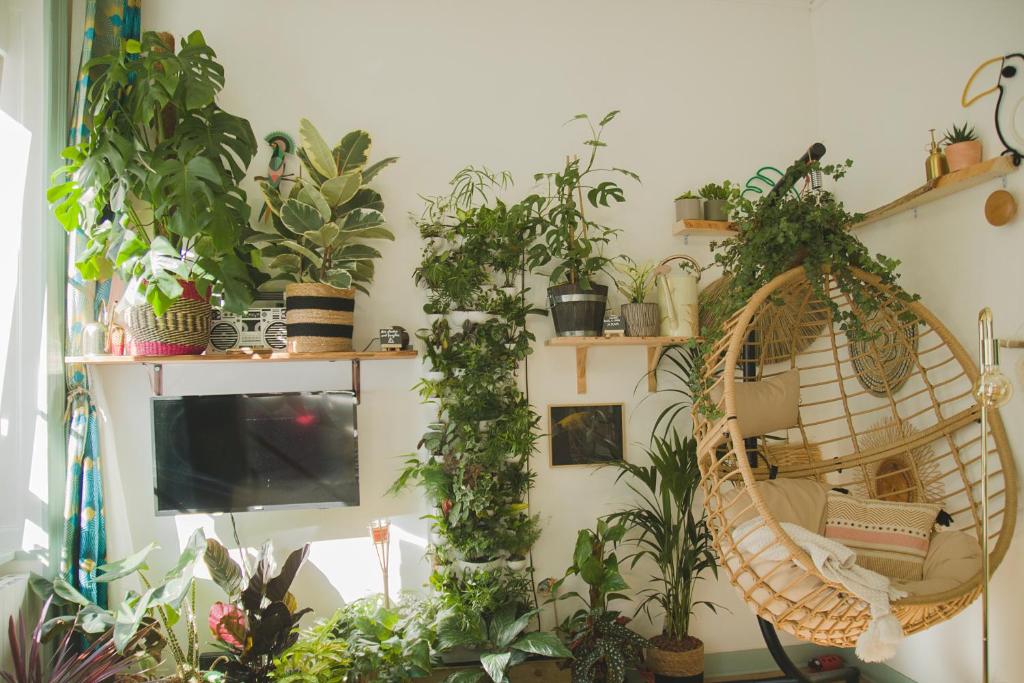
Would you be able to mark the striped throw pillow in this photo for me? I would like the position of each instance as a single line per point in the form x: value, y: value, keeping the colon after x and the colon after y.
x: 889, y: 537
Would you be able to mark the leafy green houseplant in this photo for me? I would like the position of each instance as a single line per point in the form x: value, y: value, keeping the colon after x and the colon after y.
x: 635, y: 283
x: 689, y: 207
x: 717, y: 200
x: 317, y: 656
x: 259, y: 621
x: 155, y: 187
x: 571, y: 242
x: 601, y: 643
x: 316, y: 246
x: 677, y: 541
x: 962, y: 147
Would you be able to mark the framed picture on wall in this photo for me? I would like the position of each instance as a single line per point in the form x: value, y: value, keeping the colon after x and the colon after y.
x: 586, y: 434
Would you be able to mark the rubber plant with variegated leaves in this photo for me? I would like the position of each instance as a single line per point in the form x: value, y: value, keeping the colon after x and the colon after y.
x: 155, y: 185
x: 320, y: 227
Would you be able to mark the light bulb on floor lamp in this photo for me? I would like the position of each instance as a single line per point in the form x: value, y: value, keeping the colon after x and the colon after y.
x: 991, y: 391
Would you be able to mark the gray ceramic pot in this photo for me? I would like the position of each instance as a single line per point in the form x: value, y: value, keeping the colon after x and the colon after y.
x: 716, y: 210
x: 689, y: 209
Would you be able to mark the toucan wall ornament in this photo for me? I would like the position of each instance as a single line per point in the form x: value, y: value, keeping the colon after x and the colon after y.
x: 1010, y: 85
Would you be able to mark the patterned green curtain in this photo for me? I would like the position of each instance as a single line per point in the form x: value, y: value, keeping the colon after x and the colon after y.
x: 84, y: 546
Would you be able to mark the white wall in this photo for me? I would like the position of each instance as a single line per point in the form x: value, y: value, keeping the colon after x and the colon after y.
x: 886, y: 73
x: 707, y: 90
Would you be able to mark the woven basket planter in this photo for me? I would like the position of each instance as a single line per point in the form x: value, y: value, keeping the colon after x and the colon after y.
x: 677, y: 667
x: 642, y: 320
x: 183, y: 329
x: 318, y: 317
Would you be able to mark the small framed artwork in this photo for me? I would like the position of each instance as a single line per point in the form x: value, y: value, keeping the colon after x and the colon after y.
x: 586, y: 434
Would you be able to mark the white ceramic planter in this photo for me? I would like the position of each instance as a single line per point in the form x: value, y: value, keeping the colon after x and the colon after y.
x: 457, y: 319
x: 467, y: 567
x: 433, y: 376
x: 517, y: 565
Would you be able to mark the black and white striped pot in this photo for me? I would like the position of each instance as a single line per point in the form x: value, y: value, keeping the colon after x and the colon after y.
x: 318, y: 317
x: 578, y: 312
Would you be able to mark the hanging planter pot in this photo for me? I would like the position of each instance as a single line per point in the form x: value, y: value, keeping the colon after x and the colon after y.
x: 641, y: 320
x: 517, y: 565
x: 674, y: 662
x: 578, y: 312
x: 183, y: 329
x: 469, y: 567
x: 456, y: 319
x: 319, y: 317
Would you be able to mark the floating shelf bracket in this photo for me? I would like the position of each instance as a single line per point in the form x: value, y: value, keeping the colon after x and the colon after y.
x: 156, y: 377
x: 356, y: 380
x: 582, y: 345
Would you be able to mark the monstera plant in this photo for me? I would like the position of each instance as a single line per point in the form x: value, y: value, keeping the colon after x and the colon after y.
x: 315, y: 245
x: 154, y: 186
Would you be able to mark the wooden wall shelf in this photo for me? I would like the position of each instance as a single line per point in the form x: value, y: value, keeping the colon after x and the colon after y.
x: 722, y: 229
x: 583, y: 344
x: 940, y: 187
x: 256, y: 356
x: 155, y: 364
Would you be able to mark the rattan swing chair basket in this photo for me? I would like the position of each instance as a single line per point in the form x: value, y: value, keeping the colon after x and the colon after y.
x: 838, y: 422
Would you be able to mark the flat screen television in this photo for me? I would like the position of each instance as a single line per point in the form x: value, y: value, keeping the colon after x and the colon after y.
x: 231, y: 453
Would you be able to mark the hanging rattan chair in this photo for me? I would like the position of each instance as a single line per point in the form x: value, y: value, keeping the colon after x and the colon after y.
x: 893, y: 418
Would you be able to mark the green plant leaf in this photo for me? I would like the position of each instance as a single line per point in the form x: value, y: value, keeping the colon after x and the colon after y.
x: 224, y: 571
x: 316, y: 149
x: 496, y: 665
x: 465, y: 676
x: 300, y: 217
x: 304, y: 251
x: 129, y: 565
x: 310, y: 195
x: 342, y: 188
x: 352, y: 152
x: 65, y: 590
x: 371, y: 171
x: 542, y: 643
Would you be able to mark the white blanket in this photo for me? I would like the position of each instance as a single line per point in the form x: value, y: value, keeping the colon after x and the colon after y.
x: 837, y: 563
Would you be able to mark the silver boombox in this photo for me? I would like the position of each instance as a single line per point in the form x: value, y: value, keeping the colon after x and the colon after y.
x: 260, y: 328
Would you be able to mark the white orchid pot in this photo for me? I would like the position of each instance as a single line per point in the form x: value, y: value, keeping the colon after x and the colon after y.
x: 677, y: 298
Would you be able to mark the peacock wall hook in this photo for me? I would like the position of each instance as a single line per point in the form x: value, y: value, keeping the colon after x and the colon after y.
x: 1010, y: 85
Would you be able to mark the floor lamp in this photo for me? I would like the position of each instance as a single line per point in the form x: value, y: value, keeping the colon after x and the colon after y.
x: 992, y: 391
x: 380, y: 534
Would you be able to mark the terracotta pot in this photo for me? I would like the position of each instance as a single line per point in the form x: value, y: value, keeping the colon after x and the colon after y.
x: 689, y: 209
x: 963, y: 154
x: 672, y: 666
x: 183, y: 329
x: 319, y: 317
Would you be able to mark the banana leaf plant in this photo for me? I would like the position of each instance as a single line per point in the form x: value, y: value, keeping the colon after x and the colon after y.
x: 318, y: 230
x: 260, y: 620
x: 143, y: 622
x: 155, y: 185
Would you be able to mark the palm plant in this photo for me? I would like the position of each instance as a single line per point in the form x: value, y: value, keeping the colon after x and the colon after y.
x: 671, y: 535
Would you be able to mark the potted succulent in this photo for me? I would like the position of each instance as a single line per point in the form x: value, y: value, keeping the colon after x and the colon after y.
x: 524, y: 533
x: 716, y: 200
x: 573, y: 241
x: 688, y: 207
x: 678, y: 542
x: 963, y: 148
x: 155, y: 189
x: 315, y: 245
x: 641, y: 317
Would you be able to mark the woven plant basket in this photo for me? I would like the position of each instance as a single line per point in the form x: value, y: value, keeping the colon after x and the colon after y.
x: 642, y: 320
x: 318, y: 317
x: 686, y: 666
x: 183, y: 329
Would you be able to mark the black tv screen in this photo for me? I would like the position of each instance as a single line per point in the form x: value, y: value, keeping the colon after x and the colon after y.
x: 255, y: 451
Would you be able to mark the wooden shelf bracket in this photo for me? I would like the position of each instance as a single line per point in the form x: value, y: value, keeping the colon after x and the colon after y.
x: 582, y: 345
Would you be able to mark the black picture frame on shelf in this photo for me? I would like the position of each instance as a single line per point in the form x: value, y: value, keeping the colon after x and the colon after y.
x: 586, y: 434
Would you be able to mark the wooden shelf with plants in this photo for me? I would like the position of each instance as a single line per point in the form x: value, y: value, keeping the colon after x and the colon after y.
x: 941, y: 187
x: 240, y: 357
x: 583, y: 344
x: 723, y: 229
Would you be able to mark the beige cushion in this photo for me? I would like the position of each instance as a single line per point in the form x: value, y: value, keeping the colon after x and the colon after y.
x: 797, y: 501
x: 765, y: 406
x: 954, y: 558
x: 890, y: 537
